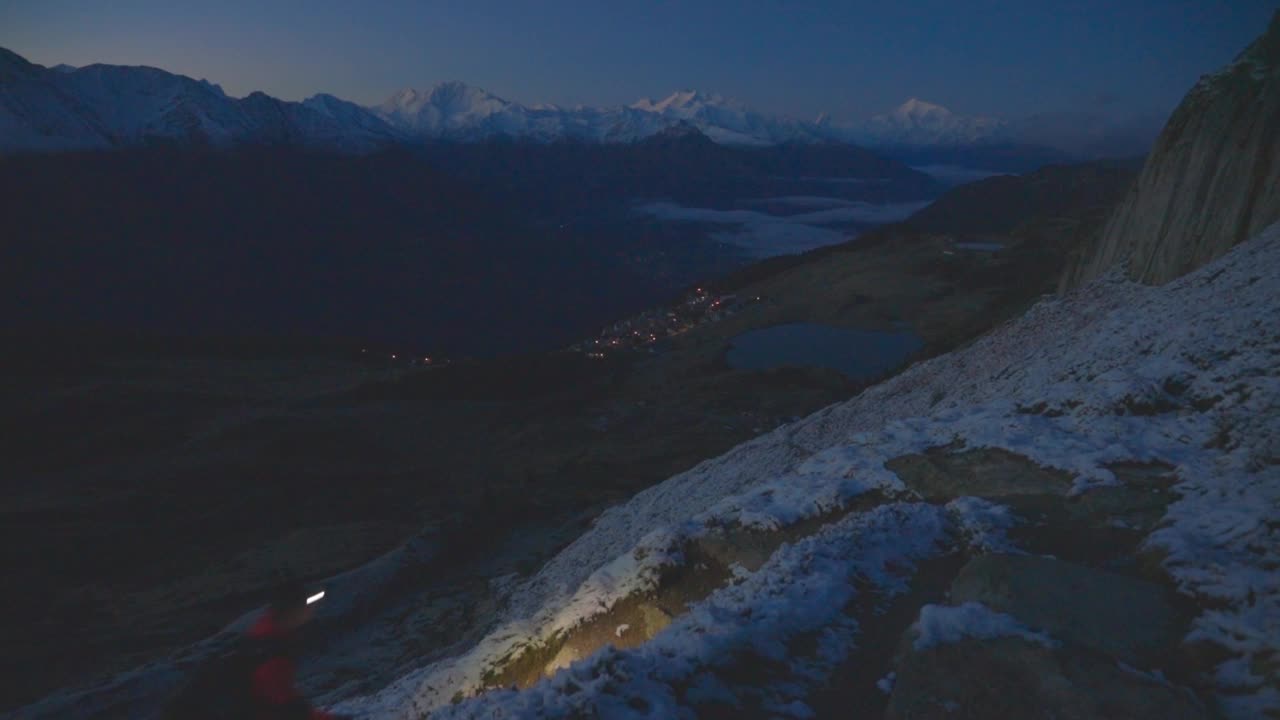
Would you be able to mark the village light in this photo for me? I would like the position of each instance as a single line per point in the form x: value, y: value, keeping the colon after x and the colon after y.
x: 315, y: 598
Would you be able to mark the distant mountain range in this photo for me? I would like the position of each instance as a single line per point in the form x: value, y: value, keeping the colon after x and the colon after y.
x: 103, y: 106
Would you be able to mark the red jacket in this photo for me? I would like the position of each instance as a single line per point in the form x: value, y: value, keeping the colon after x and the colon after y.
x: 275, y: 696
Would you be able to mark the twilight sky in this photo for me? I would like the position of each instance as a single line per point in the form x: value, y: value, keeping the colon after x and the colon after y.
x: 793, y: 57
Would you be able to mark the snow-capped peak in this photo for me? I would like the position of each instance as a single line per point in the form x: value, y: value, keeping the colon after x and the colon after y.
x: 686, y: 100
x: 448, y: 105
x: 452, y: 94
x: 916, y: 108
x: 918, y: 122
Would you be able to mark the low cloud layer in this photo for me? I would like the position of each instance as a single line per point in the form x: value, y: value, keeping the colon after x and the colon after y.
x: 761, y: 234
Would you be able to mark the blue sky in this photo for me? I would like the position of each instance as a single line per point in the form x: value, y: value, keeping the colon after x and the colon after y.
x: 792, y: 57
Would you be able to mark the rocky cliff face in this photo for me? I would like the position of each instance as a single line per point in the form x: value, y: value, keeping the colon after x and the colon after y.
x: 1212, y: 180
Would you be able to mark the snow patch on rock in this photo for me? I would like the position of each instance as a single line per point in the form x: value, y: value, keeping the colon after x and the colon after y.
x: 943, y: 624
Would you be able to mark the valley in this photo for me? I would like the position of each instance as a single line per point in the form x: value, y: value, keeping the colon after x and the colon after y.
x: 273, y: 439
x: 443, y: 250
x: 459, y: 404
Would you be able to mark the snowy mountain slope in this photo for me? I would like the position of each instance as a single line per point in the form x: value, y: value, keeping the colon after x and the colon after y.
x: 100, y: 106
x: 456, y: 111
x: 37, y: 113
x: 321, y: 121
x: 140, y: 104
x: 446, y: 107
x: 731, y: 122
x: 1187, y: 374
x: 916, y: 123
x: 346, y: 118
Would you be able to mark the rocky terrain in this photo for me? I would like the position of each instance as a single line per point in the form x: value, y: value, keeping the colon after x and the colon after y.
x: 1212, y: 180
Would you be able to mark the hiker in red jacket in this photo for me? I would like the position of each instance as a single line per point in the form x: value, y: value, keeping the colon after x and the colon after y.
x: 274, y: 641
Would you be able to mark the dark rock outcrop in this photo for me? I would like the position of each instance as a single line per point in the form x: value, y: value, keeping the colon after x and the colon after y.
x: 1211, y: 182
x: 985, y: 472
x: 1014, y: 678
x: 1120, y: 616
x: 1102, y: 629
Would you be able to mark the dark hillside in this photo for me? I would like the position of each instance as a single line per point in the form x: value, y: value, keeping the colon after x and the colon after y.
x: 685, y: 167
x: 984, y: 209
x: 279, y: 241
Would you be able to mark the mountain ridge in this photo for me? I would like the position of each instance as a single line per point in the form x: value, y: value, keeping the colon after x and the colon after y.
x: 102, y: 106
x: 39, y: 107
